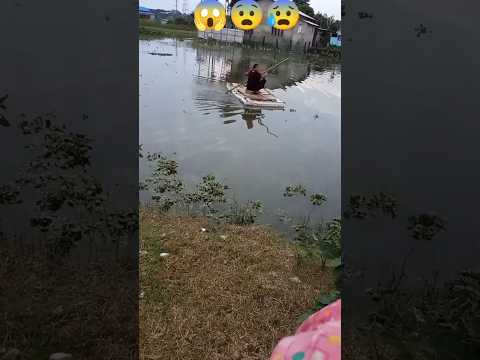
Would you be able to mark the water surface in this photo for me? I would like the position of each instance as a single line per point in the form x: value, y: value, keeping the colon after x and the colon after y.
x: 184, y: 108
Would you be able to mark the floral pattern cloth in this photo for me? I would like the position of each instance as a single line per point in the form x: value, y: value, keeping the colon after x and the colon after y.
x: 317, y: 338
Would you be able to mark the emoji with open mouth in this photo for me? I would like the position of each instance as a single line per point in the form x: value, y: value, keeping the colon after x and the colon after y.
x: 247, y: 15
x: 210, y: 15
x: 283, y: 15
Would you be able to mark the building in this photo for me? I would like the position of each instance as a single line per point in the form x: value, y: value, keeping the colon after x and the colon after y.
x: 164, y: 16
x: 305, y: 35
x: 146, y: 13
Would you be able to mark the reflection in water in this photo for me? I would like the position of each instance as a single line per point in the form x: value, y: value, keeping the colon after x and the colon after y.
x: 231, y: 63
x: 214, y: 65
x: 206, y: 105
x: 250, y: 115
x: 266, y: 127
x: 185, y: 108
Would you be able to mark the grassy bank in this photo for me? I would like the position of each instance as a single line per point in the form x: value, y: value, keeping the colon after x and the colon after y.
x: 229, y: 292
x: 151, y: 28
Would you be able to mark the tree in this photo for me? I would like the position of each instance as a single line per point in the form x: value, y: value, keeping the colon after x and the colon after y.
x: 328, y: 22
x: 335, y: 26
x: 304, y: 6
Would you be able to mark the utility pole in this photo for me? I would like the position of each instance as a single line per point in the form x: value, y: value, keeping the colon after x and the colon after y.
x: 228, y: 5
x: 176, y: 7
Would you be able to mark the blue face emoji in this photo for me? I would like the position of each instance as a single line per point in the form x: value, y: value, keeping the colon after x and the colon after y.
x: 283, y: 15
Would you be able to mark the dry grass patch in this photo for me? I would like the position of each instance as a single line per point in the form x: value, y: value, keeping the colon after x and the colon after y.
x: 230, y: 292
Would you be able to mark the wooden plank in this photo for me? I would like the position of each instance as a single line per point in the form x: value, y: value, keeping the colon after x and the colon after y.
x: 261, y: 96
x: 265, y: 99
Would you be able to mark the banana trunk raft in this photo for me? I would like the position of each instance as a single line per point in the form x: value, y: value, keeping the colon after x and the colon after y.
x: 264, y: 98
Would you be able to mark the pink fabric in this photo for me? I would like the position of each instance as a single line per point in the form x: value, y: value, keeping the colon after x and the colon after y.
x: 317, y: 338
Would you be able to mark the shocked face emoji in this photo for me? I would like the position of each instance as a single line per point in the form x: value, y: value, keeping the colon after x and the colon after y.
x: 210, y: 15
x: 283, y: 15
x: 247, y: 15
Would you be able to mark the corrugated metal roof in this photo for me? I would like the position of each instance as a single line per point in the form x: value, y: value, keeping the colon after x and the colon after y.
x: 310, y: 23
x: 307, y: 16
x: 314, y: 24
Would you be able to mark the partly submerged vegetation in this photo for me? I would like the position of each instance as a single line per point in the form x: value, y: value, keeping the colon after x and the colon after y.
x: 439, y: 321
x: 434, y: 320
x: 69, y: 275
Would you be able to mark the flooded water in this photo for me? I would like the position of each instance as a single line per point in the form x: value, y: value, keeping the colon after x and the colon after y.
x: 184, y: 108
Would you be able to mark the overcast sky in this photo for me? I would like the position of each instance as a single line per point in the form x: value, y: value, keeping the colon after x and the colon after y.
x: 331, y: 7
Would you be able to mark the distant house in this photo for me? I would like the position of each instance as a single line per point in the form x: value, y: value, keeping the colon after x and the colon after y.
x: 305, y: 35
x: 163, y: 16
x: 146, y: 13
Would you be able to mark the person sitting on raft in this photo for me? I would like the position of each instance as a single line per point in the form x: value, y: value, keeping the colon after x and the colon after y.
x: 255, y: 81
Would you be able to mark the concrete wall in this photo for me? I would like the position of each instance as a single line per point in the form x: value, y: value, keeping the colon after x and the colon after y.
x: 147, y: 16
x: 303, y: 34
x: 226, y: 35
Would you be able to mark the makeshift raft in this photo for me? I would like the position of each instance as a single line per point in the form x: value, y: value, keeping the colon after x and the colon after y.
x: 264, y: 98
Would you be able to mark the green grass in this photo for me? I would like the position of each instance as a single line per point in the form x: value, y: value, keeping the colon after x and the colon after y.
x: 154, y: 28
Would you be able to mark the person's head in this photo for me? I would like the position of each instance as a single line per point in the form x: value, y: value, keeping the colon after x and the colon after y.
x: 254, y: 67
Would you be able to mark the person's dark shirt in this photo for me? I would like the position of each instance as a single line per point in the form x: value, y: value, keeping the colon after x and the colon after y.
x: 253, y: 81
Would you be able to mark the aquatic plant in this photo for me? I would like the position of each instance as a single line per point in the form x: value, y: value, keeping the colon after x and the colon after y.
x: 164, y: 182
x: 208, y: 197
x: 371, y: 206
x: 49, y: 295
x: 426, y: 226
x: 433, y: 323
x: 429, y: 322
x: 66, y: 203
x: 294, y: 190
x: 243, y: 214
x: 318, y: 199
x: 318, y: 239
